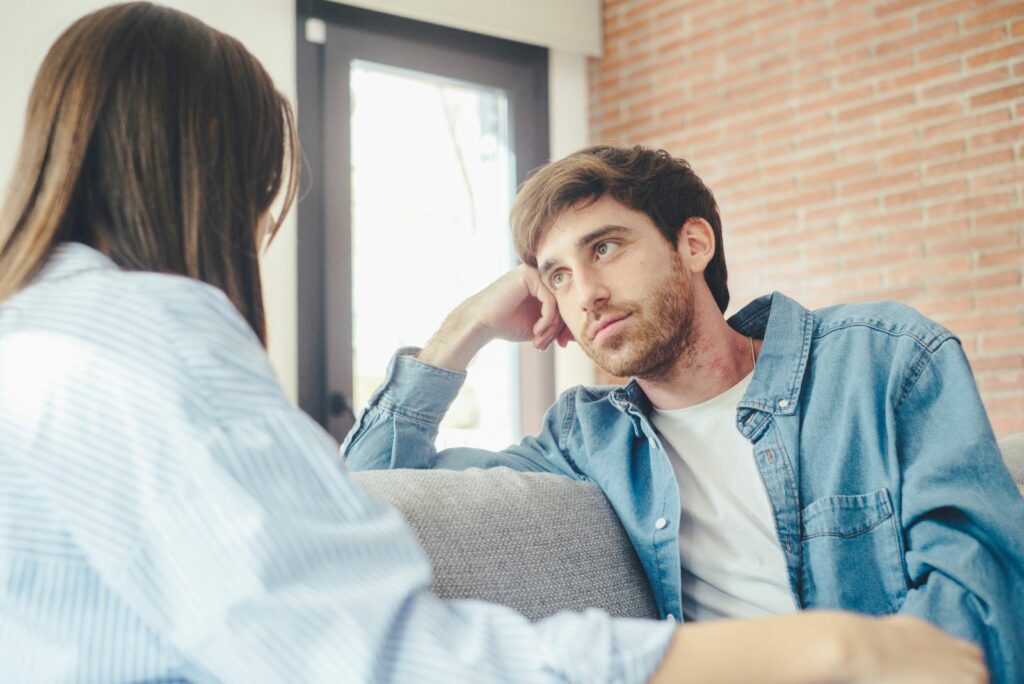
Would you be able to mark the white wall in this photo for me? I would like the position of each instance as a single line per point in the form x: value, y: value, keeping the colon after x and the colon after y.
x: 267, y: 28
x: 569, y: 25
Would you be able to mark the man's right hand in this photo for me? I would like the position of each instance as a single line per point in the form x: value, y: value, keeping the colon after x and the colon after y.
x: 515, y: 307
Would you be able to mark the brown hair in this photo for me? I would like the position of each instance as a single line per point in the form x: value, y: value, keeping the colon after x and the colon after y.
x: 159, y: 141
x: 649, y: 181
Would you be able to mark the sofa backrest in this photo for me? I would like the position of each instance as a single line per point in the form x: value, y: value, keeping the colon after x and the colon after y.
x: 1013, y: 454
x: 537, y: 542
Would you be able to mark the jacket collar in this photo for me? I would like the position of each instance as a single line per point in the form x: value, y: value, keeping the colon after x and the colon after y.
x: 786, y: 328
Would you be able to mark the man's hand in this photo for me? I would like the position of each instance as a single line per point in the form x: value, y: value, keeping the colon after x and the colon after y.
x: 820, y: 646
x: 515, y: 307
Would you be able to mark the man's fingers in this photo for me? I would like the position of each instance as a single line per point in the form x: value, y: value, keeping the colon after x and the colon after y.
x: 564, y: 336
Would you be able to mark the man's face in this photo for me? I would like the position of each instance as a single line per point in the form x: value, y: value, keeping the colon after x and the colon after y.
x: 622, y: 290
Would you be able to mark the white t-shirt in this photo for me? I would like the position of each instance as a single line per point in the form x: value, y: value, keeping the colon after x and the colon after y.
x: 732, y: 562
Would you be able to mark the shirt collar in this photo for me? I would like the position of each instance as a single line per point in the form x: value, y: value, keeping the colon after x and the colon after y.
x: 68, y: 259
x: 786, y: 329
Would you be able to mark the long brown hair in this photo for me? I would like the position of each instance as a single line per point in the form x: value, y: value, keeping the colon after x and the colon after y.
x: 159, y: 141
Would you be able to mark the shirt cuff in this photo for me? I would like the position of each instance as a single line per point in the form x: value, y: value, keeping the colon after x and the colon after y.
x: 644, y: 643
x: 417, y: 389
x: 592, y: 647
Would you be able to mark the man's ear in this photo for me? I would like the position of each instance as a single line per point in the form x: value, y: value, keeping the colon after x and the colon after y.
x: 696, y: 243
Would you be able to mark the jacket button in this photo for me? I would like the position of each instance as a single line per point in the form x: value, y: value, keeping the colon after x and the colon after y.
x: 661, y: 523
x: 783, y: 403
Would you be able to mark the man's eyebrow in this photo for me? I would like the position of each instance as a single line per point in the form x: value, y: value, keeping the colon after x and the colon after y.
x: 588, y: 239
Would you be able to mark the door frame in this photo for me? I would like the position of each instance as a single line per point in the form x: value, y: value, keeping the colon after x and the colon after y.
x: 519, y: 69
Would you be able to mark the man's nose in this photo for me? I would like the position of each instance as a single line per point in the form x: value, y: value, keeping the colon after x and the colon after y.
x: 591, y: 291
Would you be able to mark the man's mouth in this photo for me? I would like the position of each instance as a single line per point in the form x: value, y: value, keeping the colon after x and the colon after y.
x: 608, y: 327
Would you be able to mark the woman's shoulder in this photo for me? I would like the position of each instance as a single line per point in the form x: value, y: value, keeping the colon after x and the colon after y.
x: 83, y: 308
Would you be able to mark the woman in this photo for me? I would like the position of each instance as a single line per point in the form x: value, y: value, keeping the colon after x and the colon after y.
x: 165, y: 512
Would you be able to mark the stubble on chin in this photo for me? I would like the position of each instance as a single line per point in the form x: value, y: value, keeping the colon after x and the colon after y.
x: 660, y: 338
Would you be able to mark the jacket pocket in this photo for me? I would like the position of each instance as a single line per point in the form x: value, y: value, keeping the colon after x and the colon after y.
x: 852, y: 554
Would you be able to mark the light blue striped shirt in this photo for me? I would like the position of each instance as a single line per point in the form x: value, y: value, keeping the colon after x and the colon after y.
x: 167, y: 514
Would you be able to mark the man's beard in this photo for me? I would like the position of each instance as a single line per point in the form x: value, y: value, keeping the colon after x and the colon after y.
x: 659, y: 335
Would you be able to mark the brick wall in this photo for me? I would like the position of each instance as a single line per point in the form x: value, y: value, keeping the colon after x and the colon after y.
x: 859, y: 150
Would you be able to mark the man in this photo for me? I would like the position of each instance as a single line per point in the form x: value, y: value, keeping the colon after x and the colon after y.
x: 781, y: 460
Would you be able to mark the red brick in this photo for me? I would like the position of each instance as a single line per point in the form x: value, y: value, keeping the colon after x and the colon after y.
x: 872, y: 68
x: 926, y: 192
x: 1002, y: 362
x: 921, y: 114
x: 1004, y: 218
x: 800, y: 201
x: 919, y: 76
x: 970, y: 163
x: 1010, y: 176
x: 837, y: 173
x: 956, y: 47
x: 1017, y: 29
x: 878, y: 183
x: 969, y: 204
x: 1007, y: 257
x: 1007, y: 299
x: 929, y: 271
x: 946, y: 10
x: 997, y: 342
x: 875, y: 107
x: 1008, y: 93
x: 969, y: 83
x: 873, y: 146
x: 871, y: 33
x: 1003, y: 382
x: 842, y: 212
x: 929, y: 231
x: 971, y: 243
x: 859, y: 245
x: 897, y: 6
x: 1002, y: 135
x: 920, y: 37
x: 1000, y: 54
x: 994, y: 15
x: 917, y: 154
x: 966, y: 123
x: 1006, y: 404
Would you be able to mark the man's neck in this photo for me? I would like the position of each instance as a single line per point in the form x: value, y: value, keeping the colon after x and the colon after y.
x: 717, y: 359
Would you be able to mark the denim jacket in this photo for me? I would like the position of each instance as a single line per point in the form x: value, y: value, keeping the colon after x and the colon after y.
x: 886, y: 485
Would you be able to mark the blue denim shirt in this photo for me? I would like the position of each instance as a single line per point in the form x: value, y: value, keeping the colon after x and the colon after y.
x: 887, y: 488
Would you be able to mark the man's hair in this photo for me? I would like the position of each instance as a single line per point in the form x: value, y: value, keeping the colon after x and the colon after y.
x: 160, y: 141
x: 649, y: 181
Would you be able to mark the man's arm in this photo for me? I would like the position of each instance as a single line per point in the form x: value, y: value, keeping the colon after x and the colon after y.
x: 399, y: 425
x: 516, y: 307
x: 962, y: 516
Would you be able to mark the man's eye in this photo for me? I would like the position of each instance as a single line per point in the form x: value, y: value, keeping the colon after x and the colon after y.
x: 605, y: 248
x: 558, y: 279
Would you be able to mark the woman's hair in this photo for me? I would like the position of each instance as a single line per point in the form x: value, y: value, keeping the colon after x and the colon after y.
x: 158, y: 140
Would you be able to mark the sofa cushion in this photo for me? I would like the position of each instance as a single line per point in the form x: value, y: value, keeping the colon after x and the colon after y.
x: 537, y: 542
x: 1013, y: 454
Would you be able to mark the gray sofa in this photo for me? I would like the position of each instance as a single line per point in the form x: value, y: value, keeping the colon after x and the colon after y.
x: 539, y: 543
